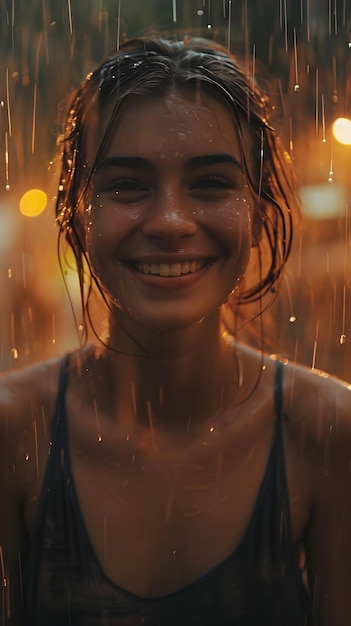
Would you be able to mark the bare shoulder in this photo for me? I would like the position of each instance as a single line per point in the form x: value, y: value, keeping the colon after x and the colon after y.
x: 23, y: 388
x: 318, y: 406
x: 27, y: 398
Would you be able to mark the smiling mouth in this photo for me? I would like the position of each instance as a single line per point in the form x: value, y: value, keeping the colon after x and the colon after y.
x: 170, y: 269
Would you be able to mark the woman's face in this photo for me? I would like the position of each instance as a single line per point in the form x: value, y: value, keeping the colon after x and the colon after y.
x: 168, y: 224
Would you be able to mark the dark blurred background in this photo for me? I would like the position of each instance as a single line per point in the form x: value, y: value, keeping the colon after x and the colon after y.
x: 302, y: 48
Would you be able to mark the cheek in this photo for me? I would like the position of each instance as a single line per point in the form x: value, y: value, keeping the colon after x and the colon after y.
x: 231, y: 224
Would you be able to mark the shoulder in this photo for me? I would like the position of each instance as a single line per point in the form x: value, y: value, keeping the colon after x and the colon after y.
x: 23, y: 388
x: 27, y: 401
x: 318, y: 406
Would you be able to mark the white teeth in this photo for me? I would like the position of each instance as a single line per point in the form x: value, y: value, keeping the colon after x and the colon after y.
x: 169, y: 269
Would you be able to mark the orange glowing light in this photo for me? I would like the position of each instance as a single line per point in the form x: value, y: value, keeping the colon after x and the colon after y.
x: 342, y: 130
x: 33, y: 202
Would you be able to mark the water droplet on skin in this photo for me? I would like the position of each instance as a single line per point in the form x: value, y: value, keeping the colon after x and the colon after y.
x: 296, y: 87
x: 342, y: 339
x: 200, y: 14
x: 292, y: 318
x: 14, y: 353
x: 9, y: 273
x: 27, y: 457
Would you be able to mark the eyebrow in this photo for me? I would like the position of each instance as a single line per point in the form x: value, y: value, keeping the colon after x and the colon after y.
x: 142, y: 163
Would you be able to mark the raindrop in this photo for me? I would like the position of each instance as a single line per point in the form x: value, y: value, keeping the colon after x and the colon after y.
x: 118, y: 25
x: 315, y: 346
x: 342, y: 339
x: 8, y: 102
x: 7, y: 160
x: 229, y: 24
x: 174, y: 10
x: 70, y: 17
x: 53, y: 325
x: 296, y: 86
x: 97, y: 420
x: 36, y: 447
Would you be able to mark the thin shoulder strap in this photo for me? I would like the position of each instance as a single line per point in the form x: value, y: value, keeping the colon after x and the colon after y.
x: 61, y: 388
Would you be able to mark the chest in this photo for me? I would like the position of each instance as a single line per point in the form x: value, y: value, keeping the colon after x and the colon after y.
x: 157, y: 524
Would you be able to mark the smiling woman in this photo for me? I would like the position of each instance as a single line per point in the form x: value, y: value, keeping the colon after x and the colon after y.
x: 169, y: 474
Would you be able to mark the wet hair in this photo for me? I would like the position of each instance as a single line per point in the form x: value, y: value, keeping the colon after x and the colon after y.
x: 154, y: 67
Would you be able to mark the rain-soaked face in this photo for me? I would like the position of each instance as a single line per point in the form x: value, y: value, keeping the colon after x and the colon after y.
x: 168, y: 218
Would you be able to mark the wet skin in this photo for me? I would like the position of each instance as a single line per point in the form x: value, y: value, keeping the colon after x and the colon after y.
x: 168, y: 227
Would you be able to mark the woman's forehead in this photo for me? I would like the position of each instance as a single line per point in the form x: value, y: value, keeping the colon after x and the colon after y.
x: 179, y: 120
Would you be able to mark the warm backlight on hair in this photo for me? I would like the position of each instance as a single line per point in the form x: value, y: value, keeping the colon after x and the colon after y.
x: 342, y: 130
x: 33, y: 202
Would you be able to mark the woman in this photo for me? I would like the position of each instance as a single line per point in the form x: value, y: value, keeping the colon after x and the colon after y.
x: 169, y: 475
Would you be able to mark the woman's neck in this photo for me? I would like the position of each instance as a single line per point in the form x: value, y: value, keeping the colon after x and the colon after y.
x: 176, y: 381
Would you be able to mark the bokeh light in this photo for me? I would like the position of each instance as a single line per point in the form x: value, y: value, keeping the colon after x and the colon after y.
x: 342, y: 130
x: 33, y: 202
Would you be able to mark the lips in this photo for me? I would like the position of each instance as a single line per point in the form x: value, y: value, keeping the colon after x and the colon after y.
x: 167, y: 270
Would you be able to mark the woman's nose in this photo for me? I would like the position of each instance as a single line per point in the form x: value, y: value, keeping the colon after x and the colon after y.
x: 170, y: 217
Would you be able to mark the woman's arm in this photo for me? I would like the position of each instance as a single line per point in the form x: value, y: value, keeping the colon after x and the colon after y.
x: 12, y: 555
x: 12, y: 535
x: 328, y: 537
x: 328, y: 544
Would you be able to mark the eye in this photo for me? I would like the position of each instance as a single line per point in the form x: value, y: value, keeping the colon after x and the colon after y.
x: 213, y: 182
x: 125, y: 189
x: 127, y: 185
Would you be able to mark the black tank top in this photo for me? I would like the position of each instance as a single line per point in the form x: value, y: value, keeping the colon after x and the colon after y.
x: 259, y: 584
